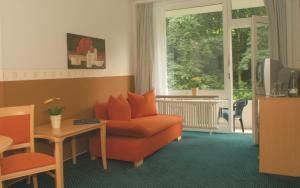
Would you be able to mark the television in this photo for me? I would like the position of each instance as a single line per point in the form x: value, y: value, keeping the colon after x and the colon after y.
x: 271, y: 75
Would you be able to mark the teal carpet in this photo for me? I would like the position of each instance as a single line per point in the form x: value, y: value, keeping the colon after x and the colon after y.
x: 199, y: 160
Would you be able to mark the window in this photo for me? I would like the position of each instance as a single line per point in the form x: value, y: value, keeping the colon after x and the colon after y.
x: 195, y: 48
x: 195, y: 51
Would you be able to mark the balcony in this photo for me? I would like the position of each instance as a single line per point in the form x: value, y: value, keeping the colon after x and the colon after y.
x: 201, y: 113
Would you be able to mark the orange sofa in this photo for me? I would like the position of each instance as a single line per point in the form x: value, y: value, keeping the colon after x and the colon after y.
x: 135, y: 139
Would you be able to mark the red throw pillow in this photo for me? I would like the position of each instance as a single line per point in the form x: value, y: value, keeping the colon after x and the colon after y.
x: 142, y: 105
x: 101, y: 111
x: 118, y: 108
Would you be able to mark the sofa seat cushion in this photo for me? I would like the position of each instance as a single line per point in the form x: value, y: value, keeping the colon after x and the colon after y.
x: 142, y: 127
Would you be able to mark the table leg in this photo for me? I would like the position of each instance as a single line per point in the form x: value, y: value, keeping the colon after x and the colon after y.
x: 28, y: 179
x: 35, y: 181
x: 74, y: 150
x: 59, y: 165
x: 103, y: 146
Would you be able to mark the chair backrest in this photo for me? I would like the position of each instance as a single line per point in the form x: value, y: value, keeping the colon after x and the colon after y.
x: 17, y: 123
x: 239, y: 107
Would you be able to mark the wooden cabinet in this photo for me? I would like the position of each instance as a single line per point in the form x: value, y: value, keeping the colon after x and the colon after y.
x: 279, y: 136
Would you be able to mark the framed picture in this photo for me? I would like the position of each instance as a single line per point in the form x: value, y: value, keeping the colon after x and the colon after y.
x: 85, y: 52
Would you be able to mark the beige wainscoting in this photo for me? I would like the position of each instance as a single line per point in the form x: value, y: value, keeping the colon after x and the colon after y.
x: 1, y: 93
x: 78, y: 95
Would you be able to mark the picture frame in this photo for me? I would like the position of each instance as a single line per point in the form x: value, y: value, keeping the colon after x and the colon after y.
x: 85, y: 52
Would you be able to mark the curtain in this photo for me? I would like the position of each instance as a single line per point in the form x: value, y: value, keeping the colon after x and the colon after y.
x: 293, y: 24
x: 160, y: 81
x: 145, y: 48
x: 151, y: 67
x: 276, y: 10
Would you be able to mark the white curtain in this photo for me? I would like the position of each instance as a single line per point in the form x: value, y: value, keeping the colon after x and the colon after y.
x: 151, y: 67
x: 160, y: 80
x: 145, y: 48
x: 277, y: 14
x: 293, y: 24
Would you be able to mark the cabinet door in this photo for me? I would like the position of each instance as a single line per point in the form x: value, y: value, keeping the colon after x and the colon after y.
x: 280, y: 136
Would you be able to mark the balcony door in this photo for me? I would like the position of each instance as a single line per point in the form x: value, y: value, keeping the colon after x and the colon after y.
x: 259, y: 52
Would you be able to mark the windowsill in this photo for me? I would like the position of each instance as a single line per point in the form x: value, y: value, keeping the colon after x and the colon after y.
x: 187, y: 96
x: 201, y: 93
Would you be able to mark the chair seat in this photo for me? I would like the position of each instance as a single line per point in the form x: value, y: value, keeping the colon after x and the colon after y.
x: 25, y: 161
x: 225, y: 114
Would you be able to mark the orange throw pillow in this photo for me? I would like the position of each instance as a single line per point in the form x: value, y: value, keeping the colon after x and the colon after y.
x: 118, y: 108
x: 142, y: 105
x: 101, y: 111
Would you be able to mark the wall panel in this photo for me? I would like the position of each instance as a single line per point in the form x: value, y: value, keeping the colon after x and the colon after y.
x: 78, y: 95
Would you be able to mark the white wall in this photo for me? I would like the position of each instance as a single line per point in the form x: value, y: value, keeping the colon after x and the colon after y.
x: 34, y: 33
x: 1, y: 65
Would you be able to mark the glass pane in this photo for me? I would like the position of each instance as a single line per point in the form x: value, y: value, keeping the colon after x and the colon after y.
x: 195, y: 48
x: 263, y: 51
x: 248, y: 12
x: 241, y: 58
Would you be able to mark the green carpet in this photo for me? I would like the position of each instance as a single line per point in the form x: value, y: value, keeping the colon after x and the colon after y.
x: 199, y: 160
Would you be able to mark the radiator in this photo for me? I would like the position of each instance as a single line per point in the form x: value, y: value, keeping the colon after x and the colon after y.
x: 199, y: 114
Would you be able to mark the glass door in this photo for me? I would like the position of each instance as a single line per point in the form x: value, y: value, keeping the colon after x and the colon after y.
x: 259, y: 52
x: 198, y: 51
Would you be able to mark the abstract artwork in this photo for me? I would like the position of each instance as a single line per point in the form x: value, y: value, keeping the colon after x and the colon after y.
x: 85, y: 52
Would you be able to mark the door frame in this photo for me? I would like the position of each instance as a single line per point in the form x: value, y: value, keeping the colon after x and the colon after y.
x: 227, y: 45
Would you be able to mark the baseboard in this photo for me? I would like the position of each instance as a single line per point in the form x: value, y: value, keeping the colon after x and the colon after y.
x: 212, y: 131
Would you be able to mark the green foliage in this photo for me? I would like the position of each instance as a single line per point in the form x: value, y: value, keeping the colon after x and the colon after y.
x: 55, y: 110
x: 248, y: 12
x: 244, y: 91
x: 195, y: 49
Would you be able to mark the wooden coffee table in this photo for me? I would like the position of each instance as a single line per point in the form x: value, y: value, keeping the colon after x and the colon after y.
x: 68, y: 130
x: 5, y: 143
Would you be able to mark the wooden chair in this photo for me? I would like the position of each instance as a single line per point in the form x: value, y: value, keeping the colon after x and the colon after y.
x: 17, y: 123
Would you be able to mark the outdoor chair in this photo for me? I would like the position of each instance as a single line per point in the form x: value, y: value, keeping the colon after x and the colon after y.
x: 238, y: 108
